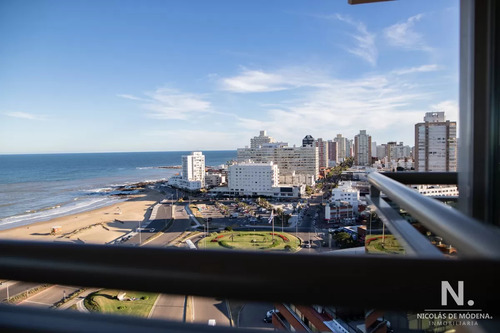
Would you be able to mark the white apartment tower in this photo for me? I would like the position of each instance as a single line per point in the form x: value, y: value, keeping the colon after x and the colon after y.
x: 193, y: 167
x: 258, y: 141
x: 436, y: 144
x: 362, y: 149
x: 253, y: 177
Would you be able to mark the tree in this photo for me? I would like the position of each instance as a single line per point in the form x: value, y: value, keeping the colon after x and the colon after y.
x: 344, y: 239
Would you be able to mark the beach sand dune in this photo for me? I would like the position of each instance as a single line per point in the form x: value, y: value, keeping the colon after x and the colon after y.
x: 100, y: 226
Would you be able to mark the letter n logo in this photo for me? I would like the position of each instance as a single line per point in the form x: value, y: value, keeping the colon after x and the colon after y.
x: 447, y: 289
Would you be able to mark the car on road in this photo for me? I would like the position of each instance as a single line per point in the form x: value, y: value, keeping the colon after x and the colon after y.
x: 269, y: 316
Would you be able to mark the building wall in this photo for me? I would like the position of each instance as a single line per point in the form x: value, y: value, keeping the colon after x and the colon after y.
x: 436, y: 144
x: 298, y: 160
x: 253, y: 177
x: 193, y: 167
x: 258, y: 141
x: 362, y: 149
x: 322, y: 152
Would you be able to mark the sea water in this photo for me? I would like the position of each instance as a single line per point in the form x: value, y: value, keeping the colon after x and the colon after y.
x: 39, y: 187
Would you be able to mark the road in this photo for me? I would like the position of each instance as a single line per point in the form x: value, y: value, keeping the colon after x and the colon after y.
x: 15, y: 288
x: 252, y: 316
x: 49, y: 296
x: 169, y: 307
x: 205, y: 309
x: 180, y: 224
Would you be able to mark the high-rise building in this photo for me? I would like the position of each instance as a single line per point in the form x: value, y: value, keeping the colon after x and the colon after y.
x: 342, y: 145
x: 333, y: 157
x: 322, y: 152
x: 290, y: 160
x: 258, y: 141
x: 436, y: 143
x: 308, y: 141
x: 362, y: 149
x: 193, y: 167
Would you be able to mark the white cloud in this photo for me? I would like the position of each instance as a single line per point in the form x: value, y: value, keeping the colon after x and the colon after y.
x: 25, y: 115
x: 165, y: 103
x: 404, y: 35
x: 132, y: 97
x: 387, y: 106
x: 365, y: 41
x: 419, y: 69
x: 254, y: 81
x: 257, y: 81
x: 449, y: 107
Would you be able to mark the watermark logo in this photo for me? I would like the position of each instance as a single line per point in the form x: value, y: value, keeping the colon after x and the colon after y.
x: 458, y: 297
x: 457, y: 314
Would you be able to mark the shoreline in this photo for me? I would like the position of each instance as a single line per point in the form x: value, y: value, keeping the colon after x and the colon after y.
x: 97, y: 226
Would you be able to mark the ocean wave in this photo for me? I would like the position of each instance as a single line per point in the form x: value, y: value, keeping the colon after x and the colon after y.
x: 57, y: 211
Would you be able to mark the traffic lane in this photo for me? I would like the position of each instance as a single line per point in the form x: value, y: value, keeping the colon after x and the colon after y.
x: 16, y: 288
x: 252, y: 316
x: 169, y: 307
x: 205, y: 309
x: 49, y: 296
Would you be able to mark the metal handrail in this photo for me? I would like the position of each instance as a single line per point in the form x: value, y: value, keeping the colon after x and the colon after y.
x: 402, y: 282
x: 471, y: 237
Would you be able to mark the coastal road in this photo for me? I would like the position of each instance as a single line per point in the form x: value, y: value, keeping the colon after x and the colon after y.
x: 169, y: 307
x: 180, y: 224
x: 49, y: 296
x: 205, y: 309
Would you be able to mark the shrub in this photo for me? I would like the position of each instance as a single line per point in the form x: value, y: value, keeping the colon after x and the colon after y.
x: 122, y: 307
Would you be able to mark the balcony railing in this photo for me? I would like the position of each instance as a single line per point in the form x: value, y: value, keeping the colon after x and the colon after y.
x: 401, y: 283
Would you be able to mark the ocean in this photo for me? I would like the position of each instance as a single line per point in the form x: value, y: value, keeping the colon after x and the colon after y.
x: 39, y: 187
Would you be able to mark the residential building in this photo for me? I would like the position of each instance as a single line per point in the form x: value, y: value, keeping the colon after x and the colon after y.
x: 193, y: 167
x: 363, y: 149
x: 214, y: 178
x: 436, y: 190
x: 346, y: 191
x: 436, y: 144
x: 333, y: 156
x: 258, y: 141
x: 257, y: 179
x: 290, y: 160
x: 342, y: 147
x: 193, y: 173
x: 308, y: 141
x: 322, y: 152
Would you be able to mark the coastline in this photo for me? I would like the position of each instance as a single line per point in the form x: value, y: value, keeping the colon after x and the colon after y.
x: 97, y: 226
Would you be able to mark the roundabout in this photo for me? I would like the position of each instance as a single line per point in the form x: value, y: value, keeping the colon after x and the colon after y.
x: 251, y: 240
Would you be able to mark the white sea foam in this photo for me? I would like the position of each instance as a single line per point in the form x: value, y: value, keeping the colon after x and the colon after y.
x: 57, y: 211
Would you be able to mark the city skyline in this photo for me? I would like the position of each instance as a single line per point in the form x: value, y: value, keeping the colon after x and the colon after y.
x: 98, y: 77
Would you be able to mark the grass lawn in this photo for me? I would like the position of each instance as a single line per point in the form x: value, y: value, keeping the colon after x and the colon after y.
x: 390, y: 246
x: 250, y: 240
x: 107, y: 302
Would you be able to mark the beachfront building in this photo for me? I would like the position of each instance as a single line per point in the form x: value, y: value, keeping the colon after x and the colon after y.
x: 257, y: 179
x: 258, y: 141
x: 291, y: 161
x: 193, y: 173
x: 436, y: 144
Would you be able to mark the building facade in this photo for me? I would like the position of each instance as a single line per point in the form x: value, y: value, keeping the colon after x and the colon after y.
x: 436, y: 144
x: 322, y: 152
x: 258, y: 141
x: 290, y: 160
x: 193, y: 167
x: 308, y: 141
x: 362, y: 149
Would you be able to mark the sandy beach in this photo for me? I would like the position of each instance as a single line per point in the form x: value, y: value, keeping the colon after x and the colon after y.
x: 99, y: 226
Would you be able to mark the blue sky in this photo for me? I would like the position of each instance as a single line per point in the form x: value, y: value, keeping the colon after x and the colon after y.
x: 102, y: 76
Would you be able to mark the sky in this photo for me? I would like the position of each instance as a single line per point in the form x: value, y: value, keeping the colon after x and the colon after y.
x: 177, y: 75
